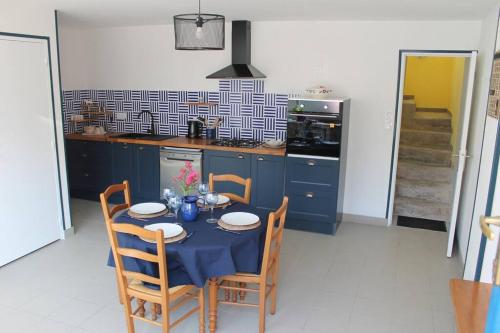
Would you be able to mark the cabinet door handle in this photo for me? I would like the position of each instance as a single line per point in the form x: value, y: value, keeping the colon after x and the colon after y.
x: 260, y: 158
x: 85, y: 174
x: 311, y: 162
x: 141, y: 148
x: 125, y: 146
x: 309, y: 194
x: 241, y: 157
x: 84, y: 155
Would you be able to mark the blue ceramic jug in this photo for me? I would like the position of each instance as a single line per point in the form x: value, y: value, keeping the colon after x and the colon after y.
x: 189, y: 209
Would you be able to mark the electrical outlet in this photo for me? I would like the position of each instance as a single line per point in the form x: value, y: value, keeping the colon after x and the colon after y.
x: 121, y: 115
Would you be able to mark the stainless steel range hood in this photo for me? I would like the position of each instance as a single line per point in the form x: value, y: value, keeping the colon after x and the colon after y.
x: 241, y: 67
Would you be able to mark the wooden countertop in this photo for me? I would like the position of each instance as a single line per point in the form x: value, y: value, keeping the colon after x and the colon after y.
x: 470, y: 300
x: 179, y: 142
x: 80, y: 136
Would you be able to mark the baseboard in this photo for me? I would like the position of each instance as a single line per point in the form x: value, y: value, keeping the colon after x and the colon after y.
x: 69, y: 232
x: 378, y: 221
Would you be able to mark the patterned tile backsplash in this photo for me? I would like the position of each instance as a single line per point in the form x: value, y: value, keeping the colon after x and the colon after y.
x: 247, y: 111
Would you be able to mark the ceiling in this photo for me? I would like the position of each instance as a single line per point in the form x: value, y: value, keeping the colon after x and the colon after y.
x: 150, y: 12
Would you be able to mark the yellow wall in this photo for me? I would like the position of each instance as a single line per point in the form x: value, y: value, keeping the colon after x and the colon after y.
x: 436, y: 82
x: 429, y: 80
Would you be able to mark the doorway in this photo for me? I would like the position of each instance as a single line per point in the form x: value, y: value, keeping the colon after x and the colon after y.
x: 432, y: 117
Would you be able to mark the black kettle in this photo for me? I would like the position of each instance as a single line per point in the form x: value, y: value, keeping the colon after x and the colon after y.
x: 194, y: 129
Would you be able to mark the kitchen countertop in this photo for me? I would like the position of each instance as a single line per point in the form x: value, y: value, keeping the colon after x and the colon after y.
x: 179, y: 142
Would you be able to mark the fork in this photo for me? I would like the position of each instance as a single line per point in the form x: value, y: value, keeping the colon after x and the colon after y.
x: 138, y: 218
x: 231, y: 231
x: 188, y: 235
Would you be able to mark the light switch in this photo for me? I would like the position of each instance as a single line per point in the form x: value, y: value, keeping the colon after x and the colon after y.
x: 121, y: 115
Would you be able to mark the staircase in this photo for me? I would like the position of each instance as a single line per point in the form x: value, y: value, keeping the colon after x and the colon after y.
x: 424, y: 175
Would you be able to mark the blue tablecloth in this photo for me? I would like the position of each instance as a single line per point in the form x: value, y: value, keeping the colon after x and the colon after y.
x: 207, y: 253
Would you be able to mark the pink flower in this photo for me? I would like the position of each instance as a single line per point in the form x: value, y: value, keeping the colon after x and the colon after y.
x: 189, y: 180
x: 189, y: 165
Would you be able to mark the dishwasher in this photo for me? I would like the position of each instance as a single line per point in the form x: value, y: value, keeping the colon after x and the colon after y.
x: 172, y: 160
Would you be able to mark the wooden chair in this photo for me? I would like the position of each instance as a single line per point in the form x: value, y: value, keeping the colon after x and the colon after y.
x: 110, y: 212
x: 247, y: 183
x: 269, y: 270
x: 132, y: 283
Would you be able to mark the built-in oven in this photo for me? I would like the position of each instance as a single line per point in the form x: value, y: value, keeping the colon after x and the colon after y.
x: 314, y: 127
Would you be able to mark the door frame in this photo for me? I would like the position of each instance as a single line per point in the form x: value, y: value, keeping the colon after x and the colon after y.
x: 489, y: 203
x: 46, y: 39
x: 403, y: 54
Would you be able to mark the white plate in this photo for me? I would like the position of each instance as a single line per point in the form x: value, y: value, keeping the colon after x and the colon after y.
x: 274, y: 143
x: 239, y: 218
x: 221, y: 200
x: 169, y: 229
x: 148, y: 208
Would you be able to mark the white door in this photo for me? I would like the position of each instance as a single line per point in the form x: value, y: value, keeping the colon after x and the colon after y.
x: 470, y: 61
x: 29, y: 186
x: 470, y: 68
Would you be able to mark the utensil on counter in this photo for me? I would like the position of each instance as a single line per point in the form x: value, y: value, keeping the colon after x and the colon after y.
x: 203, y: 121
x: 218, y: 121
x: 194, y: 128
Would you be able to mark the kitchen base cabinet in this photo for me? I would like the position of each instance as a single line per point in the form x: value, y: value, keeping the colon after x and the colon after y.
x: 266, y: 171
x: 224, y: 162
x: 146, y: 185
x: 140, y: 165
x: 122, y: 168
x: 268, y: 177
x: 312, y: 186
x: 89, y: 168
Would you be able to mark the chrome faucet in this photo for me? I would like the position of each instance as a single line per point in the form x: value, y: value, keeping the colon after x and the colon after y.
x: 152, y: 129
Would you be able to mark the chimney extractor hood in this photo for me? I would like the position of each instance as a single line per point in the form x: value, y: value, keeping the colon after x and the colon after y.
x: 241, y: 67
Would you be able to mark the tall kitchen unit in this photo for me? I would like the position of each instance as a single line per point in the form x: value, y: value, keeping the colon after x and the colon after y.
x: 317, y: 132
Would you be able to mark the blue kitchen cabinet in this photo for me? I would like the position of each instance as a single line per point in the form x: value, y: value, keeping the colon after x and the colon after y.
x: 146, y: 185
x: 312, y: 186
x: 268, y: 176
x: 140, y: 165
x: 122, y: 167
x: 89, y: 168
x: 226, y: 162
x: 266, y: 171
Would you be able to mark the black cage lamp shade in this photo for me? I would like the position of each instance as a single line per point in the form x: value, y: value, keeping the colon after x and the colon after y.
x: 199, y: 31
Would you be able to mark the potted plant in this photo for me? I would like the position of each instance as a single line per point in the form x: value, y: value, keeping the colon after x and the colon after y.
x: 187, y: 180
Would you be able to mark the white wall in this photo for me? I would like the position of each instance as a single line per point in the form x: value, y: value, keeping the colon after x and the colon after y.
x: 37, y: 21
x: 467, y: 213
x: 358, y: 59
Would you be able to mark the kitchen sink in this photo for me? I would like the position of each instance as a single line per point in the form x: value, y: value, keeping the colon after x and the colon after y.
x: 144, y: 136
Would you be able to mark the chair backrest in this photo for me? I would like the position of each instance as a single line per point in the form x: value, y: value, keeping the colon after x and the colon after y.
x: 274, y: 237
x: 247, y: 183
x: 110, y: 212
x: 160, y: 297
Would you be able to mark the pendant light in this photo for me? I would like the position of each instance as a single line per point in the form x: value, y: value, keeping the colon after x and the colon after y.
x: 199, y: 31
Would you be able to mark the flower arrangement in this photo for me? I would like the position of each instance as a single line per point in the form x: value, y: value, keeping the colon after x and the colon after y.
x: 187, y: 179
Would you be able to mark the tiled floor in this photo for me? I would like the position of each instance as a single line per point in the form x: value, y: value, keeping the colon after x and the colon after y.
x: 364, y: 279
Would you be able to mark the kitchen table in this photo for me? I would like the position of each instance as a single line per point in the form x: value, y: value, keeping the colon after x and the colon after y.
x: 206, y: 255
